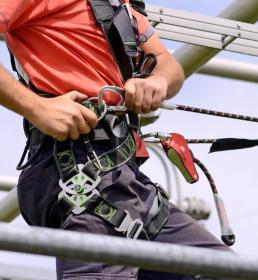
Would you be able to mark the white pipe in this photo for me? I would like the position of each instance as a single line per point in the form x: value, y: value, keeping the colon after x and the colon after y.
x: 231, y: 69
x: 158, y: 256
x: 7, y: 182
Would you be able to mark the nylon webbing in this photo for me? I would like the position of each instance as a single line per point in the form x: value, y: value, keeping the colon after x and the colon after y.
x: 112, y: 159
x: 153, y: 223
x: 116, y: 217
x: 119, y: 33
x: 64, y: 157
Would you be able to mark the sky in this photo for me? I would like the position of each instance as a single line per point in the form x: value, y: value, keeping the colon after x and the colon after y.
x: 235, y: 172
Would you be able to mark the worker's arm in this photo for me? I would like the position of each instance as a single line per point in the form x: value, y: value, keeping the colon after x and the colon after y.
x: 60, y: 117
x: 144, y: 95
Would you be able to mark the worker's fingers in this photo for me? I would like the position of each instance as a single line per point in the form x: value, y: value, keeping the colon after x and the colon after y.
x: 90, y: 118
x: 83, y: 125
x: 147, y: 99
x: 76, y: 96
x: 130, y: 93
x: 139, y: 97
x: 74, y: 133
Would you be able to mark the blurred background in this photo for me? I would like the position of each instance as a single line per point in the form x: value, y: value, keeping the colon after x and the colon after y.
x: 235, y: 172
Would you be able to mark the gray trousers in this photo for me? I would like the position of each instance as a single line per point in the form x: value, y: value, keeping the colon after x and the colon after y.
x: 125, y: 187
x: 180, y: 229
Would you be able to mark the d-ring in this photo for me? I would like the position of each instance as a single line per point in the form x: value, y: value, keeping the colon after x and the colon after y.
x: 103, y: 108
x: 113, y: 89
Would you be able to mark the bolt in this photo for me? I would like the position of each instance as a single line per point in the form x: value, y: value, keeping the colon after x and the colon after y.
x: 161, y: 11
x: 239, y: 26
x: 78, y: 188
x: 239, y: 34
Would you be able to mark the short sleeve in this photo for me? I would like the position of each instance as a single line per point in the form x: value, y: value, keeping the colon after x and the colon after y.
x: 144, y: 26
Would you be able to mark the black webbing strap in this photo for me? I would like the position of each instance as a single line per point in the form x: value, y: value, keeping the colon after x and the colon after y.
x: 120, y: 219
x: 91, y: 201
x: 154, y: 222
x: 64, y: 158
x: 119, y: 32
x: 111, y: 159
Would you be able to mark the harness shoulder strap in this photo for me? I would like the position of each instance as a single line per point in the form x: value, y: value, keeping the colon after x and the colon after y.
x: 116, y: 23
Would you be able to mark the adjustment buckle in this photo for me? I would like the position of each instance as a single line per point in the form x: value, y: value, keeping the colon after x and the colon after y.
x: 131, y: 227
x: 134, y: 229
x: 76, y: 201
x: 133, y: 123
x: 80, y: 183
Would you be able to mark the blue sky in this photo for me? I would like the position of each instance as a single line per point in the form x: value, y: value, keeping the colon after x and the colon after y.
x: 234, y: 172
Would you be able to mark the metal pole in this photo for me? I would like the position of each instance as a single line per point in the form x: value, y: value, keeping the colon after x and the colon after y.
x: 7, y: 182
x: 161, y: 157
x: 122, y: 251
x: 9, y: 208
x: 227, y: 68
x: 193, y: 57
x: 231, y: 69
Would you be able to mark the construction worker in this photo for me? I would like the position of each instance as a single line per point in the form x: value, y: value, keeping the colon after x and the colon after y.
x: 63, y: 57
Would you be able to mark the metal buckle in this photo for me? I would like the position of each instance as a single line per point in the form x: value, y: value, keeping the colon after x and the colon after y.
x: 128, y: 225
x: 96, y: 159
x: 112, y: 89
x: 80, y: 183
x: 131, y: 125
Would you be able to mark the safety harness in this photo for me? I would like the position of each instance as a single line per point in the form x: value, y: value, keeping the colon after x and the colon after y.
x: 79, y: 182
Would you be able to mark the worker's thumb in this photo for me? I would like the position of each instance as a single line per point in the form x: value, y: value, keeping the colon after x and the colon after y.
x: 129, y: 87
x: 76, y: 96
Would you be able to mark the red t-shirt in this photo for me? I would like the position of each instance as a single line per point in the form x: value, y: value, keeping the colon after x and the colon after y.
x: 59, y: 45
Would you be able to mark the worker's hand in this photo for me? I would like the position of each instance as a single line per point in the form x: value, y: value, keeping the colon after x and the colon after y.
x: 145, y: 95
x: 63, y: 117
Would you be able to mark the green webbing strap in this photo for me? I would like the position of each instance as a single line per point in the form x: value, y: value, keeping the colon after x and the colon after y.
x: 67, y: 167
x: 64, y: 158
x: 111, y: 159
x: 120, y: 219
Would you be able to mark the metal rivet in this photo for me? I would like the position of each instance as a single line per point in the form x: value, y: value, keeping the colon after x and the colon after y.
x: 161, y: 20
x: 161, y: 11
x: 239, y: 34
x: 239, y: 26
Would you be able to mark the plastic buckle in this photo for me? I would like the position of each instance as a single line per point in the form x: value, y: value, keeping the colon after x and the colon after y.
x: 77, y: 201
x: 128, y: 226
x: 162, y: 191
x: 79, y: 183
x: 134, y: 229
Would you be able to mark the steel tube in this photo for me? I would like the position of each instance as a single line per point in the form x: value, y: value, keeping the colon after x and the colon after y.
x: 9, y: 208
x: 230, y: 69
x: 7, y: 182
x: 122, y: 251
x: 193, y: 57
x: 155, y: 149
